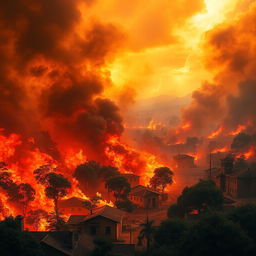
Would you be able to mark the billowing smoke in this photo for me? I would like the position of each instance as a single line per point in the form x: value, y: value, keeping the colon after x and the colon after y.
x: 52, y: 75
x: 230, y: 51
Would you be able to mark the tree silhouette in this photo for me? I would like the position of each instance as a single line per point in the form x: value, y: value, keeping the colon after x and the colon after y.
x: 245, y: 216
x: 23, y: 193
x: 92, y: 203
x: 215, y: 235
x: 41, y: 172
x: 202, y: 196
x: 55, y: 222
x: 147, y: 233
x: 119, y: 186
x: 88, y: 175
x: 5, y: 176
x: 56, y: 187
x: 162, y: 177
x: 34, y: 217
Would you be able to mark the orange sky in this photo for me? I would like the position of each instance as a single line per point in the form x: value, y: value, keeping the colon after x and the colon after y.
x: 162, y: 50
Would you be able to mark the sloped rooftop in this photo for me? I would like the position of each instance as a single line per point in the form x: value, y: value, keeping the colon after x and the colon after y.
x: 105, y: 211
x: 143, y: 191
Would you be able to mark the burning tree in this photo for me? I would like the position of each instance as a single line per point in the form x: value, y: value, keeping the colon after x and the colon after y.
x: 89, y: 174
x: 119, y: 186
x: 92, y: 203
x: 5, y: 176
x: 35, y: 217
x: 162, y: 177
x: 56, y: 185
x: 23, y: 193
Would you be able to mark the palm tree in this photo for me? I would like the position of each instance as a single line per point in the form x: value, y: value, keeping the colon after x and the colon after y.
x: 147, y: 233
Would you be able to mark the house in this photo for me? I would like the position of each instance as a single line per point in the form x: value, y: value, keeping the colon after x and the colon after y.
x: 73, y: 205
x: 236, y: 183
x: 184, y: 161
x: 144, y: 197
x: 105, y: 222
x: 241, y: 184
x: 133, y: 179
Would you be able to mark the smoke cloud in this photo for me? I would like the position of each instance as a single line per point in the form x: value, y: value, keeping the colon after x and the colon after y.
x: 52, y: 77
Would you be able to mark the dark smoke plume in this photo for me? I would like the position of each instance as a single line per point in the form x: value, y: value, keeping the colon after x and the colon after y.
x: 51, y: 78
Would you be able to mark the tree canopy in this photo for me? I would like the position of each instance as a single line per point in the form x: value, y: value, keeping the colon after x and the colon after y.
x: 245, y: 216
x: 203, y: 196
x: 119, y: 186
x: 171, y: 232
x: 89, y: 174
x: 161, y: 178
x: 215, y: 235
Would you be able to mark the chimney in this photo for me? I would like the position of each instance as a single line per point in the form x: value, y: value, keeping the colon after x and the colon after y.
x: 20, y: 222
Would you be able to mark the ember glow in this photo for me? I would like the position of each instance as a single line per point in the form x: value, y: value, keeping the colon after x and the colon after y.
x: 239, y: 129
x: 215, y: 133
x: 220, y: 150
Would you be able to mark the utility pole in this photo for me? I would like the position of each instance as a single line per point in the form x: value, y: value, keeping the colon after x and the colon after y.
x: 210, y: 165
x: 131, y: 233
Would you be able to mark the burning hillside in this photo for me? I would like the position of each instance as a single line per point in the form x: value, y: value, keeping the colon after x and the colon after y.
x: 70, y: 70
x: 53, y: 112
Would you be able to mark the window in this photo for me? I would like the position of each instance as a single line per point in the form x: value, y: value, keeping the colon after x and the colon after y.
x: 108, y: 230
x: 93, y: 230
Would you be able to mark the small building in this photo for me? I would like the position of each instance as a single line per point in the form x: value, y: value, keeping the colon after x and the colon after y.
x: 133, y: 179
x: 184, y: 161
x: 241, y: 184
x: 144, y: 197
x: 236, y: 183
x: 72, y: 206
x: 105, y: 222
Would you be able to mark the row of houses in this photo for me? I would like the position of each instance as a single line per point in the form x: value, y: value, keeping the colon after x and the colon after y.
x: 104, y: 222
x: 141, y: 196
x: 235, y: 183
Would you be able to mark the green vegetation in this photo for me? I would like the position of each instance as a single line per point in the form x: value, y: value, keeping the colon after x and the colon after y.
x: 213, y: 232
x: 200, y: 198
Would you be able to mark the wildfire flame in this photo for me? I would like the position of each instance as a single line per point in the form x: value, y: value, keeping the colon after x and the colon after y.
x: 239, y: 129
x: 215, y: 133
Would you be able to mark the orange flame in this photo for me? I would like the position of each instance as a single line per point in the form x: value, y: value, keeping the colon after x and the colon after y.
x: 249, y: 154
x: 239, y: 129
x: 216, y: 133
x: 186, y: 126
x: 220, y: 150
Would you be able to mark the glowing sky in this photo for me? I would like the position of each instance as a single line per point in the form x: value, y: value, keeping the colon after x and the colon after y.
x: 162, y: 53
